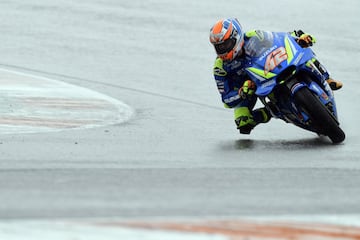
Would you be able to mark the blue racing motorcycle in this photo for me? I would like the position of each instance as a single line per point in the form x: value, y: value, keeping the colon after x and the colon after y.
x: 291, y: 85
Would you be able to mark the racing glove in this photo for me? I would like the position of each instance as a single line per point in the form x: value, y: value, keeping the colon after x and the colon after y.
x: 247, y: 90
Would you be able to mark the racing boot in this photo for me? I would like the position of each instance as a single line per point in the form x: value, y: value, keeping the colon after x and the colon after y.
x: 261, y: 115
x: 334, y: 85
x: 245, y: 121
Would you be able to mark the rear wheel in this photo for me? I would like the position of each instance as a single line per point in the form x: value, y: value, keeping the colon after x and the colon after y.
x: 321, y: 117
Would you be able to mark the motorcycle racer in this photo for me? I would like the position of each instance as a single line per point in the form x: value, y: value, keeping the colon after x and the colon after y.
x: 236, y: 90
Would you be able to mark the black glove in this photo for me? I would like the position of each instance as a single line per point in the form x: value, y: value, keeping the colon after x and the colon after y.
x: 298, y: 33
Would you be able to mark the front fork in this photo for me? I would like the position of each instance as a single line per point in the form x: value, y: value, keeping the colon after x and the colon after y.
x: 324, y: 93
x: 320, y: 73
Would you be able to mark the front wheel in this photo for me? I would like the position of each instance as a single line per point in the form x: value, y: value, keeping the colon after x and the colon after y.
x: 322, y: 119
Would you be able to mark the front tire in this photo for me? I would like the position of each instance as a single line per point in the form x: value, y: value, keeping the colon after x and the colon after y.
x: 323, y: 120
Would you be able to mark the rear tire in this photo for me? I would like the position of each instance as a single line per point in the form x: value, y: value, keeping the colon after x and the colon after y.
x: 323, y: 120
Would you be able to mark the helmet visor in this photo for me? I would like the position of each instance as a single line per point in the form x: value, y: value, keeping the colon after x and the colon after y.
x: 225, y: 46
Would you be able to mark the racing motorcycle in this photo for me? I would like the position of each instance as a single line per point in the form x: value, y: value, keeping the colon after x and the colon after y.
x: 291, y: 85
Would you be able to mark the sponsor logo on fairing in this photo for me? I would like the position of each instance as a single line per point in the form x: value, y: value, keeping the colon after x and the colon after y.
x: 267, y: 52
x: 269, y: 83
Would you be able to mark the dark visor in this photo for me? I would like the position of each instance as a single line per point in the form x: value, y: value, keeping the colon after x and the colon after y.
x: 225, y: 46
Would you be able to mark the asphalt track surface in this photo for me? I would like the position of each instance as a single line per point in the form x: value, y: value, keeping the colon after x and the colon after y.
x: 174, y: 152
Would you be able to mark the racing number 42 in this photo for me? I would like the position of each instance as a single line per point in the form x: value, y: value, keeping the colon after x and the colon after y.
x: 274, y: 59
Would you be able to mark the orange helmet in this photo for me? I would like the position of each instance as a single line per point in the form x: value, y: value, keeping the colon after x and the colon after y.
x: 227, y: 36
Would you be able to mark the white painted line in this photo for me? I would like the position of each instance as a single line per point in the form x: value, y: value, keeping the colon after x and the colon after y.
x: 31, y: 103
x: 281, y: 228
x: 31, y: 230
